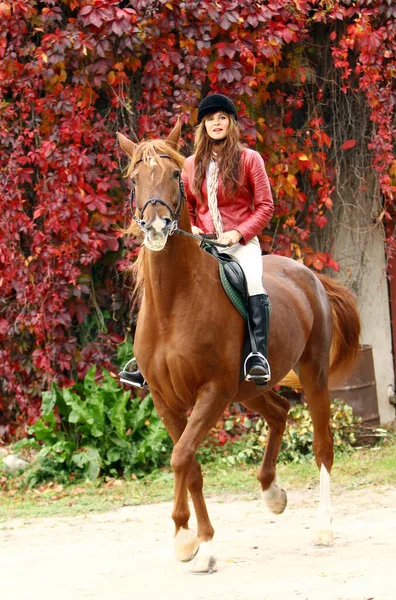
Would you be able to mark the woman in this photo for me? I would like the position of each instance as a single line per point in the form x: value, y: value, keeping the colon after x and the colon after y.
x: 229, y: 195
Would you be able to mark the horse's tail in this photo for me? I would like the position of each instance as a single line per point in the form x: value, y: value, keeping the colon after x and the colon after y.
x: 346, y: 324
x: 346, y: 331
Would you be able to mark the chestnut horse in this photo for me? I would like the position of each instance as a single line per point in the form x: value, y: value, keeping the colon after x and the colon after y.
x: 189, y: 343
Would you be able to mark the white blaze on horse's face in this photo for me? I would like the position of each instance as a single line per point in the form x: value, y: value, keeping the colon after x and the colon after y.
x: 158, y: 219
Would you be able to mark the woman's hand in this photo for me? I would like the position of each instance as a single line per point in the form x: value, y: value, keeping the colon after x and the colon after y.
x: 197, y: 230
x: 230, y: 237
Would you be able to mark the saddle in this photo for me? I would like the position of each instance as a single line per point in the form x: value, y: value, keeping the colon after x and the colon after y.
x: 232, y: 279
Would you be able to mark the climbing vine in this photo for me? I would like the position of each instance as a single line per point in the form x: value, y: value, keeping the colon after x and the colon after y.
x: 72, y: 72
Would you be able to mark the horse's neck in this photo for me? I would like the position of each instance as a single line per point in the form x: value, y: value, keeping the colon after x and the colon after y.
x: 176, y: 268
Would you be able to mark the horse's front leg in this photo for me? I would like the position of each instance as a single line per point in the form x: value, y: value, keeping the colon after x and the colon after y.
x: 208, y: 409
x: 186, y: 540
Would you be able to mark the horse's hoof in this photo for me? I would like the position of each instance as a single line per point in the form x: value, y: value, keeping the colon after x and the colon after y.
x: 275, y: 498
x: 205, y: 562
x: 323, y: 538
x: 186, y: 545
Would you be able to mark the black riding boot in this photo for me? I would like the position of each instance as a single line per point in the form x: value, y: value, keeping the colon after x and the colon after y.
x: 257, y: 367
x: 133, y: 378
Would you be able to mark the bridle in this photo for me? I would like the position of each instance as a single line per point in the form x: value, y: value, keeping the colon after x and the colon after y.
x: 173, y: 227
x: 174, y: 214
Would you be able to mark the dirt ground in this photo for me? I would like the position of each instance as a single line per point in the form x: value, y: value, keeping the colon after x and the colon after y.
x: 127, y: 554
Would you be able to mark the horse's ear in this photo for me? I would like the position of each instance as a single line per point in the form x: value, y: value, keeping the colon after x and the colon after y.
x: 173, y: 138
x: 126, y: 144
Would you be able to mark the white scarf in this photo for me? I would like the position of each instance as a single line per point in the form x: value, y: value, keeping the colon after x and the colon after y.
x: 212, y: 185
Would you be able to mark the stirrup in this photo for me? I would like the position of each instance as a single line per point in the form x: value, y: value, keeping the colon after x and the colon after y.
x: 132, y: 361
x: 138, y: 386
x: 257, y: 378
x: 123, y: 379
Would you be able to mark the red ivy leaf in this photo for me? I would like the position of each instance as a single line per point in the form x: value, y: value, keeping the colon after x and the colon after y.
x: 348, y: 144
x: 332, y: 264
x: 3, y: 326
x: 318, y: 264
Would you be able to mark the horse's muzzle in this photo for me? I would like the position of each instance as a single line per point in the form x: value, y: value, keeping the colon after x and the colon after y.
x: 157, y: 232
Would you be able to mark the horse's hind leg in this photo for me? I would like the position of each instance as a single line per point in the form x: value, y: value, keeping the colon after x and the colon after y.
x: 274, y: 409
x: 315, y: 384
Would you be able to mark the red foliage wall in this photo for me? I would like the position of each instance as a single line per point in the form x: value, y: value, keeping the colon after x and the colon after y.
x: 73, y: 72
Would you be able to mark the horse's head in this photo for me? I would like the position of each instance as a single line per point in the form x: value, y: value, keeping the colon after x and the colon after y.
x: 157, y: 190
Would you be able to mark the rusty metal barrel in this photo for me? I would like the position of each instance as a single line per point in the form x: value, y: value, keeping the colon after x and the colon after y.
x: 358, y: 389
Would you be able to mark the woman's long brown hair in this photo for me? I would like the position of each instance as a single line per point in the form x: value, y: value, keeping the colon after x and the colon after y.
x: 229, y: 156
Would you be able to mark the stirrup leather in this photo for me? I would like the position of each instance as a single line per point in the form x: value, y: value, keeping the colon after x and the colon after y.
x: 255, y: 378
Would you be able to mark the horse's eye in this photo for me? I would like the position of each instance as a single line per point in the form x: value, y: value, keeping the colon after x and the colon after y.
x: 176, y: 175
x: 133, y: 182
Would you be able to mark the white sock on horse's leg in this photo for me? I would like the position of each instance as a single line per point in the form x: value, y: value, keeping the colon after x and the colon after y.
x: 205, y: 561
x: 324, y: 532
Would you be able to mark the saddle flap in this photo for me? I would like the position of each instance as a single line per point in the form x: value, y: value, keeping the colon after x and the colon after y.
x: 236, y: 277
x: 232, y: 279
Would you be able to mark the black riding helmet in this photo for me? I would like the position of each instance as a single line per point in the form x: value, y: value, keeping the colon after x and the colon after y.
x: 214, y: 103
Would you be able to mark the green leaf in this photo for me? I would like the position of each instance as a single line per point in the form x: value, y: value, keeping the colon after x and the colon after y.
x: 113, y: 455
x: 80, y: 459
x: 89, y: 460
x: 25, y: 443
x: 44, y: 429
x: 124, y: 352
x: 48, y: 401
x: 143, y: 409
x: 89, y: 380
x: 62, y: 451
x: 96, y: 409
x: 118, y: 441
x: 117, y: 415
x: 79, y: 412
x: 94, y: 464
x: 110, y: 384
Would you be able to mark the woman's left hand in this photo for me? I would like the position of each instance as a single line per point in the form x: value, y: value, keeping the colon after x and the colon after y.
x: 230, y: 237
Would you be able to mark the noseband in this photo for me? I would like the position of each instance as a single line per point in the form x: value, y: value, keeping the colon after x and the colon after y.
x: 174, y: 214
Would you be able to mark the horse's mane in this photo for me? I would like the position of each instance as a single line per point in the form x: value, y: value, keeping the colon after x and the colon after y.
x: 149, y: 152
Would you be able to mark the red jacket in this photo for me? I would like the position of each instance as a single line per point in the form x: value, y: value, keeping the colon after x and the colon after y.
x: 249, y: 210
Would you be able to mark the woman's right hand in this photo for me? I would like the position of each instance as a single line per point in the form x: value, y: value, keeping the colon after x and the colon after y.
x: 197, y: 230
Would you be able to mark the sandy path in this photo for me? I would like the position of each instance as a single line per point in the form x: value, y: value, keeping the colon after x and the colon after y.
x: 127, y: 554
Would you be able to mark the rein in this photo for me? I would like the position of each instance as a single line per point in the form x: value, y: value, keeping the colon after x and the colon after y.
x: 204, y: 239
x: 175, y: 214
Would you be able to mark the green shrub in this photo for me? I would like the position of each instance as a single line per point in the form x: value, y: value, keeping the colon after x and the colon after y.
x: 95, y: 428
x: 297, y: 440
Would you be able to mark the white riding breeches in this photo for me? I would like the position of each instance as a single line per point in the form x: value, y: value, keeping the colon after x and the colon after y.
x: 250, y: 259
